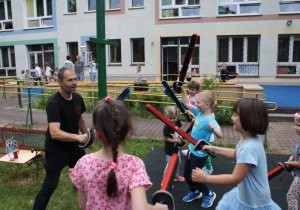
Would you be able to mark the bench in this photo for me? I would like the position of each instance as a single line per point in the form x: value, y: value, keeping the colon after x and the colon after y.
x: 30, y: 145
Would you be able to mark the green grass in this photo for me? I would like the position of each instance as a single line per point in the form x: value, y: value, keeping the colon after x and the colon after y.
x: 19, y: 185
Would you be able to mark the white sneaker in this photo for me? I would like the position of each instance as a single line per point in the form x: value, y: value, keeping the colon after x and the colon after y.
x: 207, y: 171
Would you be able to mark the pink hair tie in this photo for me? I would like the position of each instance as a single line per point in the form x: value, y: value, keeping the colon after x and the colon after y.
x: 113, y: 165
x: 297, y: 116
x: 107, y: 97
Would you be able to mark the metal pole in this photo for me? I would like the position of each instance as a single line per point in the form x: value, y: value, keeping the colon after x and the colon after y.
x: 19, y: 94
x: 4, y: 94
x: 101, y: 55
x: 29, y: 108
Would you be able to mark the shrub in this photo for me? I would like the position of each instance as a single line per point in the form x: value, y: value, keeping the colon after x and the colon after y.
x: 223, y: 115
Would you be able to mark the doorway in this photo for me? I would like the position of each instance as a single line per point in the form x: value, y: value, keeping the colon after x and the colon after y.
x: 169, y: 63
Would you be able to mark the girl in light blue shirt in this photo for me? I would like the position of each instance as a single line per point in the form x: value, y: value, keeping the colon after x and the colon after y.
x: 250, y: 174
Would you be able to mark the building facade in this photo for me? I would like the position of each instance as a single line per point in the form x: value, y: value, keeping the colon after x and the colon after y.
x: 259, y: 39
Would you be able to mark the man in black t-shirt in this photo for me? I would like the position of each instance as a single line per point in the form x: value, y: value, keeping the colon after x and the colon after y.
x: 64, y: 113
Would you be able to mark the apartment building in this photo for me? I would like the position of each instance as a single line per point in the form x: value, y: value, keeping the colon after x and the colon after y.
x: 259, y: 39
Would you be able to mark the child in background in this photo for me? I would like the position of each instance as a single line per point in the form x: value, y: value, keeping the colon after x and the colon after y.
x: 293, y: 195
x: 172, y: 141
x: 250, y: 172
x: 139, y: 72
x: 23, y: 75
x: 53, y: 77
x: 109, y: 178
x: 48, y: 72
x: 193, y: 89
x: 56, y: 72
x: 208, y: 169
x: 204, y: 126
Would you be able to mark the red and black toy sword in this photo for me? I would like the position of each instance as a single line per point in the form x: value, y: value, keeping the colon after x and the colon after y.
x: 163, y: 195
x: 277, y: 171
x: 198, y: 144
x: 186, y: 63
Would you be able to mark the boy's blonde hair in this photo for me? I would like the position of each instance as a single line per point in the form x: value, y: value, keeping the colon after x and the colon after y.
x: 171, y: 111
x: 215, y: 106
x: 208, y: 97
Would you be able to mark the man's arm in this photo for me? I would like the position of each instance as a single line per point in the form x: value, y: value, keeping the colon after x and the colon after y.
x: 82, y: 127
x: 60, y: 135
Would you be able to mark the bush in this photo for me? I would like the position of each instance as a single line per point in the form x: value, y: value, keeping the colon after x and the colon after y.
x: 138, y: 109
x: 223, y: 115
x: 41, y: 102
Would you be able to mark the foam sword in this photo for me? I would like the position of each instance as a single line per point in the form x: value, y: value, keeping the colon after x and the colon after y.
x: 163, y: 195
x: 169, y: 92
x: 198, y: 144
x: 186, y: 63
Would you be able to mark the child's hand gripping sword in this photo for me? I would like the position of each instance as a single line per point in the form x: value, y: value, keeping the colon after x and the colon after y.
x: 198, y: 144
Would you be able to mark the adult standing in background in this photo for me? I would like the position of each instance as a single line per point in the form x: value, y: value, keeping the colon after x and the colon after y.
x: 79, y: 68
x: 93, y: 70
x: 64, y: 113
x: 68, y: 63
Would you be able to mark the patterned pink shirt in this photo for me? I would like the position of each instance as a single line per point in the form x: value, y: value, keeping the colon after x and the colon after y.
x: 193, y: 99
x: 90, y: 175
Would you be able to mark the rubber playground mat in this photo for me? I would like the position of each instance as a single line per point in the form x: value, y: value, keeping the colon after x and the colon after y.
x: 283, y: 96
x: 155, y: 162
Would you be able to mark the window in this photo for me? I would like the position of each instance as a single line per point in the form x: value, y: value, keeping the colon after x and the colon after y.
x: 290, y: 6
x: 137, y: 51
x: 240, y: 53
x: 113, y: 4
x: 39, y: 13
x: 40, y: 53
x: 288, y: 57
x: 6, y: 22
x: 238, y: 7
x: 71, y: 6
x: 7, y: 61
x: 173, y: 54
x: 91, y: 5
x: 115, y: 53
x: 137, y: 3
x: 179, y: 8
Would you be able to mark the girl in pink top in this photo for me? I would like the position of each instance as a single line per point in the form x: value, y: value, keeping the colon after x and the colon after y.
x: 109, y: 178
x: 193, y: 88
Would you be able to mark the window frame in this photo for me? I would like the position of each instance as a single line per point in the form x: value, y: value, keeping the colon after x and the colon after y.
x: 131, y: 6
x: 238, y: 7
x: 132, y: 53
x: 244, y: 64
x: 67, y: 7
x: 108, y: 5
x: 180, y: 8
x: 88, y: 5
x: 10, y: 66
x: 282, y: 2
x: 110, y: 60
x: 6, y: 18
x: 40, y: 19
x: 284, y: 67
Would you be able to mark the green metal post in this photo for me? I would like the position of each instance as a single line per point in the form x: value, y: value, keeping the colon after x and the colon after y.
x: 4, y: 94
x: 19, y: 94
x: 101, y: 55
x: 29, y: 110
